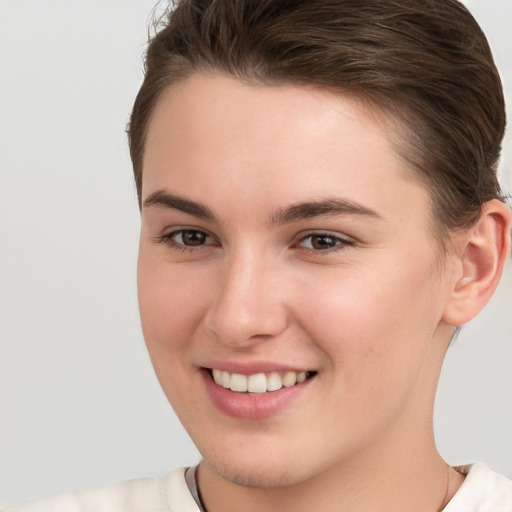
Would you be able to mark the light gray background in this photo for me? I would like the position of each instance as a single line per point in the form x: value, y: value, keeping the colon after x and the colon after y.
x: 79, y: 404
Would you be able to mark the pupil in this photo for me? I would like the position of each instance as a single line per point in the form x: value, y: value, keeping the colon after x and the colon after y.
x: 193, y: 238
x: 323, y: 242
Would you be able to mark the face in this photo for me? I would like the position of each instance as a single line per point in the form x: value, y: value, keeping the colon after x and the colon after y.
x: 289, y: 283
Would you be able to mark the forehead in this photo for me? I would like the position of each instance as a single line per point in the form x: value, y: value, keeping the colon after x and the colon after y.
x: 213, y: 135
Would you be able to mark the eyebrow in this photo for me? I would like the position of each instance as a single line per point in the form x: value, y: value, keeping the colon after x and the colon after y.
x: 326, y: 207
x: 165, y: 199
x: 294, y: 213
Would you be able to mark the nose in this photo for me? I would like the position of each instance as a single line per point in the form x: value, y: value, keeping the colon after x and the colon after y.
x: 249, y: 306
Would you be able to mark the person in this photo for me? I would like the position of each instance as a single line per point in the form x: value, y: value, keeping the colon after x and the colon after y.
x: 320, y: 215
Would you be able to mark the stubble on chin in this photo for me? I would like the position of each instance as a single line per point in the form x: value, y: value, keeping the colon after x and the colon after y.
x: 254, y: 478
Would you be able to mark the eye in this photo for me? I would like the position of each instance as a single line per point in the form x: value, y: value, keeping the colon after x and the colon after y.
x: 323, y: 242
x: 187, y: 239
x: 190, y: 237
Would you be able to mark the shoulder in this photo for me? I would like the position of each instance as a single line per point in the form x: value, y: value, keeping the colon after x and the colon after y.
x: 168, y: 494
x: 483, y: 490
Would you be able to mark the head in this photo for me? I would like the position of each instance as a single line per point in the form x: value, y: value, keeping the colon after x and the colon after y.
x: 302, y: 167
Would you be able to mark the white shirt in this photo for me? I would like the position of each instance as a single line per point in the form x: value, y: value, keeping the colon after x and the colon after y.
x: 482, y: 491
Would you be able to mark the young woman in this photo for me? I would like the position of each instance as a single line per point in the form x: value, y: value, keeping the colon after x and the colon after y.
x: 320, y: 214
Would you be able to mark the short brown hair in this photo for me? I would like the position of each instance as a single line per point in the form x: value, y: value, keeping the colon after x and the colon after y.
x: 427, y: 62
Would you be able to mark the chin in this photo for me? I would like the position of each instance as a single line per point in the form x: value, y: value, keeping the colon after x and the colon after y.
x: 256, y: 474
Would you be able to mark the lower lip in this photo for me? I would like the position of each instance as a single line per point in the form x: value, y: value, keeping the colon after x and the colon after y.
x: 251, y: 407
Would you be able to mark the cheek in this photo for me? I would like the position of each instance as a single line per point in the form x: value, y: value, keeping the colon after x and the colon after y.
x: 170, y: 302
x: 375, y: 320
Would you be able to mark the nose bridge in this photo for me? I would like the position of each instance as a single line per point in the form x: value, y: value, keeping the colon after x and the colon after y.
x: 248, y: 305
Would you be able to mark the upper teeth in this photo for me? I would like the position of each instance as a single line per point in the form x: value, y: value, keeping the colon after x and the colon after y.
x: 257, y: 383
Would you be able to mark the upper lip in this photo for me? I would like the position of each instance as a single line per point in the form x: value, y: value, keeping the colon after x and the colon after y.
x: 251, y: 368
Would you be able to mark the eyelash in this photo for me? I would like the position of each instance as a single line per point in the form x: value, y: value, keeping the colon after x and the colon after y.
x: 339, y: 243
x: 168, y: 239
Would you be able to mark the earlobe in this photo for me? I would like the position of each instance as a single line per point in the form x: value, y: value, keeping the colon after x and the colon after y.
x: 482, y: 256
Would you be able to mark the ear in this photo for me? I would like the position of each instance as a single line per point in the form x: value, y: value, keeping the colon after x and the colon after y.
x: 481, y: 256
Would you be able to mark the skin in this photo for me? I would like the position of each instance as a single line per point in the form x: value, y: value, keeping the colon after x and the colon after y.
x: 371, y: 310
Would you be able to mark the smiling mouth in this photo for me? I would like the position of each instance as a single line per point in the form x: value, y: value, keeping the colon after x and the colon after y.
x: 259, y: 383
